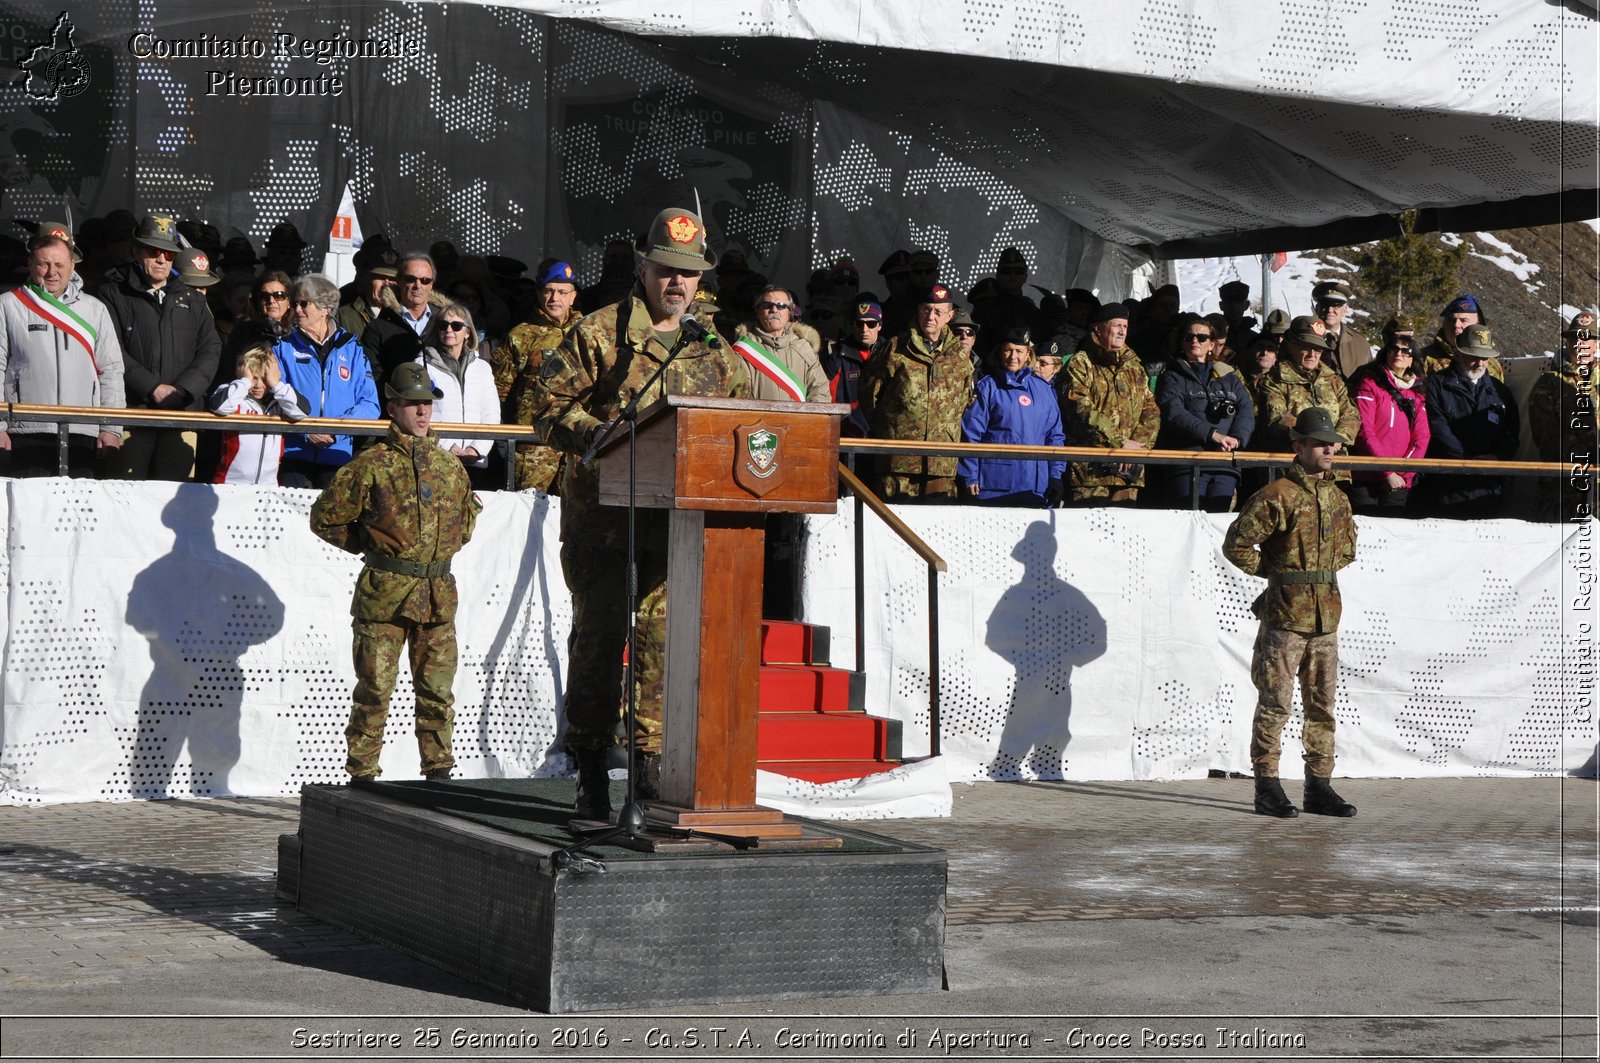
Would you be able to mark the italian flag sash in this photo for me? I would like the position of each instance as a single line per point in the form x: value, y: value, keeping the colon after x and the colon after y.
x: 42, y: 304
x: 762, y: 361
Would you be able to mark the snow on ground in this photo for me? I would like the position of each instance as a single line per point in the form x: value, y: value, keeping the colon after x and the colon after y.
x: 1593, y: 223
x: 1513, y: 261
x: 1199, y: 278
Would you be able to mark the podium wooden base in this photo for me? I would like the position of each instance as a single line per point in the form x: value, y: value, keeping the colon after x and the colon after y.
x: 675, y: 828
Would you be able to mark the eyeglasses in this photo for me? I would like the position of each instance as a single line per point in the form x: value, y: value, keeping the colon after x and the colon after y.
x: 452, y: 326
x: 272, y: 296
x: 1198, y: 337
x: 869, y: 323
x: 301, y: 304
x: 773, y: 306
x: 146, y: 251
x: 411, y: 278
x: 963, y: 331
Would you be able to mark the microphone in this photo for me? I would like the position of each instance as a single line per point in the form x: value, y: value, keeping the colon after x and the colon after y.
x: 694, y: 332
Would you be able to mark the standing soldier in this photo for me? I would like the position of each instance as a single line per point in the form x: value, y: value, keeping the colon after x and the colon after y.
x: 918, y: 390
x: 1561, y: 413
x: 1305, y: 533
x: 538, y: 467
x: 603, y: 364
x: 408, y: 507
x: 1106, y: 402
x: 1302, y: 378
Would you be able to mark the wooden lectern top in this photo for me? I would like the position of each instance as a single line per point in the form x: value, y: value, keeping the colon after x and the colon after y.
x: 736, y: 455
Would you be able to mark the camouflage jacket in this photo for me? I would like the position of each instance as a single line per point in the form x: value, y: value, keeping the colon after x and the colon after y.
x: 1105, y: 402
x: 1440, y: 355
x: 591, y: 378
x: 916, y: 390
x: 1301, y: 524
x: 405, y: 498
x: 1286, y: 389
x: 538, y: 468
x: 1561, y: 413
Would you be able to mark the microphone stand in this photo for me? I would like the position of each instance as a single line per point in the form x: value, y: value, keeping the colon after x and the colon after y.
x: 630, y: 818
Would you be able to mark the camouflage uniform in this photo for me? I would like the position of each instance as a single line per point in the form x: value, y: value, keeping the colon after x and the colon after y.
x: 918, y: 391
x: 1306, y: 533
x: 1440, y: 355
x: 579, y: 388
x: 405, y: 503
x: 537, y: 468
x: 1561, y: 414
x: 1106, y: 402
x: 1286, y: 389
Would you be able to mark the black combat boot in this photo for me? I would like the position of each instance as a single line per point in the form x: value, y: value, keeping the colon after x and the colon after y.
x: 647, y: 783
x: 1322, y: 801
x: 1271, y: 800
x: 594, y: 785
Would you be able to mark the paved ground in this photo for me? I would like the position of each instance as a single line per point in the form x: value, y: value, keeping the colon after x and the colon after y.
x: 1453, y: 919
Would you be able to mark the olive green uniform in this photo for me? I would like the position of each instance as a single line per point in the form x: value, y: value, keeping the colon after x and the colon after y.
x: 538, y: 467
x: 1286, y: 389
x: 1106, y: 401
x: 1305, y: 534
x: 408, y: 507
x: 578, y: 389
x: 1561, y: 414
x: 918, y: 391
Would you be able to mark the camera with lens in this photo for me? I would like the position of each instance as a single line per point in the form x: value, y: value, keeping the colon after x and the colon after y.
x: 1221, y: 409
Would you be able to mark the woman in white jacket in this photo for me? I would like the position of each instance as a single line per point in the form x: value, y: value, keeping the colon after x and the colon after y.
x: 467, y: 381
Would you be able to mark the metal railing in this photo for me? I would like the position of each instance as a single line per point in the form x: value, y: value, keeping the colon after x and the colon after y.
x: 865, y: 500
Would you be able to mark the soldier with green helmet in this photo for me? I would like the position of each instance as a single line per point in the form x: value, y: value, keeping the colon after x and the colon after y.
x: 601, y: 366
x: 918, y: 390
x: 1298, y: 532
x: 408, y: 508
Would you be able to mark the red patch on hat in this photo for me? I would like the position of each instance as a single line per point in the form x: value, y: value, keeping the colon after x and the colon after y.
x: 682, y: 229
x: 1319, y: 328
x: 1026, y: 400
x: 1585, y: 320
x: 939, y: 294
x: 201, y: 262
x: 566, y: 271
x: 344, y: 372
x: 60, y: 234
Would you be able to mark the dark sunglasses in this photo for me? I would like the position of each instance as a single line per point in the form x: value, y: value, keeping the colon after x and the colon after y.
x: 409, y: 278
x: 301, y: 304
x: 1198, y: 337
x: 452, y: 326
x: 274, y: 296
x: 964, y: 331
x: 772, y: 306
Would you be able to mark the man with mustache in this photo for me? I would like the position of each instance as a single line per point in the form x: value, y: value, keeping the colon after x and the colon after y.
x: 605, y: 361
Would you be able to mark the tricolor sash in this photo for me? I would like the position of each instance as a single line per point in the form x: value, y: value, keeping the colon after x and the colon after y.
x: 762, y: 361
x: 44, y: 305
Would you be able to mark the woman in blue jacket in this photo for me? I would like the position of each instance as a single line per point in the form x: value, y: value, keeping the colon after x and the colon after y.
x: 1204, y: 406
x: 1012, y: 405
x: 331, y: 377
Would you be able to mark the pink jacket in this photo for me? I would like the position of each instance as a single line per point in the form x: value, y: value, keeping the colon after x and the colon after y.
x: 1385, y: 430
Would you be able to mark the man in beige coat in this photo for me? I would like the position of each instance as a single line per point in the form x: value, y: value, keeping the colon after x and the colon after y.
x: 782, y: 361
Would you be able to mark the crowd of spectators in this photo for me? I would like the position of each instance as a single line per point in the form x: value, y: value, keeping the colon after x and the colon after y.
x: 165, y: 315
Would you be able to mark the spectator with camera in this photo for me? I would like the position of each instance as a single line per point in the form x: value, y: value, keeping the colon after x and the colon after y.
x: 1204, y: 406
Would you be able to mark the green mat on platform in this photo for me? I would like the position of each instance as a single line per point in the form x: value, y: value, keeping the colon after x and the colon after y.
x: 540, y: 809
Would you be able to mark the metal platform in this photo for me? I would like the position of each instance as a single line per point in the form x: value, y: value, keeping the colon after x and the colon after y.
x: 644, y: 930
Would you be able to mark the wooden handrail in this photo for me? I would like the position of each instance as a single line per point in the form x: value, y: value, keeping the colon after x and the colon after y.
x: 887, y: 515
x: 189, y: 419
x: 1236, y: 459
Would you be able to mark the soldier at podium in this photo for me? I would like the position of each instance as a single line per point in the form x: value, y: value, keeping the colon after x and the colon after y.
x: 604, y: 361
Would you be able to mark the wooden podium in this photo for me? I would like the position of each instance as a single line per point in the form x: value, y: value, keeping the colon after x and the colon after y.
x: 720, y: 466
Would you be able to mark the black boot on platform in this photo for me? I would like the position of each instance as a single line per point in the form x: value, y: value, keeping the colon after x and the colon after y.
x: 1322, y: 801
x: 1271, y: 800
x: 647, y: 783
x: 594, y: 785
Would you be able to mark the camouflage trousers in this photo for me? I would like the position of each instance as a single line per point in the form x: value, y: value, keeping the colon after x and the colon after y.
x: 1280, y: 658
x: 595, y: 564
x: 376, y: 651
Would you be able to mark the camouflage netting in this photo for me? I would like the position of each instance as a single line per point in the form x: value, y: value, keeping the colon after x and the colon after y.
x: 1086, y: 135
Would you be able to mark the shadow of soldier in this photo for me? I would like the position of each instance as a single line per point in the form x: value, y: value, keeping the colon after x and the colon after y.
x: 1043, y: 627
x: 199, y: 609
